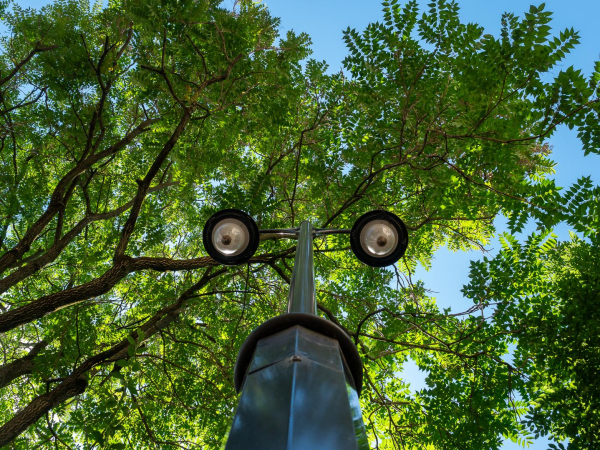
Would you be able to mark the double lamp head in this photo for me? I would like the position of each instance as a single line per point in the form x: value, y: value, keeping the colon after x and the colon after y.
x: 378, y: 238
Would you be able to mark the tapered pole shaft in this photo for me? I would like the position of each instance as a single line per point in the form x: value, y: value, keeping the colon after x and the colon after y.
x: 302, y: 287
x: 298, y: 391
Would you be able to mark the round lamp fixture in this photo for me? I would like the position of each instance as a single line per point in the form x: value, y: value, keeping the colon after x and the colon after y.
x: 379, y: 238
x: 230, y: 237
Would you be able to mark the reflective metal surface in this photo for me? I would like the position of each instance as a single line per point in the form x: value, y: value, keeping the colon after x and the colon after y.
x: 284, y: 232
x: 298, y: 395
x: 293, y: 232
x: 285, y: 321
x: 230, y: 237
x: 357, y: 419
x: 326, y: 231
x: 302, y: 286
x: 378, y: 238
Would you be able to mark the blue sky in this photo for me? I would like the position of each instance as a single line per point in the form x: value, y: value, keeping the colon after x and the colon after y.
x: 324, y: 21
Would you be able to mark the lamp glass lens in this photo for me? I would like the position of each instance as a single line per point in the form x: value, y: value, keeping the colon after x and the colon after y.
x: 230, y: 237
x: 378, y: 238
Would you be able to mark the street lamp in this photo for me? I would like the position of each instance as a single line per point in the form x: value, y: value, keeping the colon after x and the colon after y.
x: 300, y: 375
x: 379, y: 238
x: 230, y: 237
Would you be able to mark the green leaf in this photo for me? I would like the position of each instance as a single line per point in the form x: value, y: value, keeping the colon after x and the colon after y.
x: 97, y: 436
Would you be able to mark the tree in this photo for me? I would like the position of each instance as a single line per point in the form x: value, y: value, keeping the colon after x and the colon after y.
x: 124, y: 128
x: 549, y: 292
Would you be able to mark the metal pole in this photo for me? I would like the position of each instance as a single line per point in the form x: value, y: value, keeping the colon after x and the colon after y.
x: 299, y: 375
x: 302, y: 286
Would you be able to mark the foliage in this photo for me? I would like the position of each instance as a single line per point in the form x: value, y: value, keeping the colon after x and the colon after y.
x: 124, y: 128
x: 547, y: 292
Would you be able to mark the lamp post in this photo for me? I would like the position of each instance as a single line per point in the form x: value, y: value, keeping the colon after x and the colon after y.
x: 299, y: 375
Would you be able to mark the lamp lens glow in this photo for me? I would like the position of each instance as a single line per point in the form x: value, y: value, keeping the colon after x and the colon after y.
x: 230, y: 237
x: 378, y: 238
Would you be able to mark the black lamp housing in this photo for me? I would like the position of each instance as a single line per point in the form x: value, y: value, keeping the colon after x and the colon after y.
x: 379, y: 238
x: 240, y: 229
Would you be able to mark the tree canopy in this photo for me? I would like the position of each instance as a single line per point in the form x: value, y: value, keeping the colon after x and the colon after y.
x: 124, y: 127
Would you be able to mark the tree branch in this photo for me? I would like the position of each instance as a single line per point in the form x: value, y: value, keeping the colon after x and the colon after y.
x: 57, y: 198
x: 39, y: 48
x: 21, y: 366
